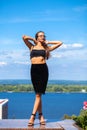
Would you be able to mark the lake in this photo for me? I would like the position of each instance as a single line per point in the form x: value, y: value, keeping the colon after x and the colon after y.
x: 55, y: 105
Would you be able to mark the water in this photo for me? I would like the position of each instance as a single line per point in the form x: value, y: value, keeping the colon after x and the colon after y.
x: 55, y: 105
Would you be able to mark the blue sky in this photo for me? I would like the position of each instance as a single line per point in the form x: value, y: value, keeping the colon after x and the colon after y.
x: 63, y: 20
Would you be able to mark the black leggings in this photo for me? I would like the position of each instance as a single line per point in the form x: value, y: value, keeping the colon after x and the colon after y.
x: 39, y: 77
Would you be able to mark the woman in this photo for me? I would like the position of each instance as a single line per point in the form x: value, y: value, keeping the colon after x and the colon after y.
x: 39, y: 52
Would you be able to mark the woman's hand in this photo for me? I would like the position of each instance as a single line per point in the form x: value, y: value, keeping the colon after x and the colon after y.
x: 25, y: 37
x: 46, y: 42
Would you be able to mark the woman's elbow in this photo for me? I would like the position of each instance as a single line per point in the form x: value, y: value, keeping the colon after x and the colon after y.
x: 23, y: 37
x: 60, y: 43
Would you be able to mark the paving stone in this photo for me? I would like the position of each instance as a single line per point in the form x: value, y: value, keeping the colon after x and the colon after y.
x: 22, y: 124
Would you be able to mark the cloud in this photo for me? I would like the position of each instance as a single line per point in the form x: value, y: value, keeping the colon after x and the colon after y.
x: 16, y: 20
x: 2, y: 63
x: 9, y: 41
x: 16, y: 57
x: 6, y: 41
x: 40, y: 19
x: 75, y: 51
x: 77, y: 45
x: 47, y: 12
x: 40, y: 16
x: 72, y: 46
x: 80, y: 8
x: 22, y: 62
x: 56, y: 55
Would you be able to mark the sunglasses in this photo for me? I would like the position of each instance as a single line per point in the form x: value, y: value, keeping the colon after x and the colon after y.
x: 41, y: 36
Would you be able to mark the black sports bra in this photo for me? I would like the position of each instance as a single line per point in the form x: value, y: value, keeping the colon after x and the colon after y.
x: 37, y: 53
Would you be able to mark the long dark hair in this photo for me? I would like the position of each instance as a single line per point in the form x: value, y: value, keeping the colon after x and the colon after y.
x: 36, y: 35
x: 45, y: 45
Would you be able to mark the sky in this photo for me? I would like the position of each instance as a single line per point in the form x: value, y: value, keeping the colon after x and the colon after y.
x: 61, y: 20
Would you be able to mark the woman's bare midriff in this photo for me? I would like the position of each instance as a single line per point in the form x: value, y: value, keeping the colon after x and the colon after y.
x: 38, y: 60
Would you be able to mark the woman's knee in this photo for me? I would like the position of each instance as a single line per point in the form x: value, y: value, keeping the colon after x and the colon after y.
x: 38, y: 95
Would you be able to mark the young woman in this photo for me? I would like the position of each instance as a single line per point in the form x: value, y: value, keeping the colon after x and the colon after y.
x: 39, y: 53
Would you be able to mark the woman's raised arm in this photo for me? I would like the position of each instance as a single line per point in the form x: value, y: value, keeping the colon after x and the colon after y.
x: 27, y: 40
x: 55, y: 44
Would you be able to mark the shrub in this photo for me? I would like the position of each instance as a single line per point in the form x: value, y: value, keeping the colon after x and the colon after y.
x: 81, y: 119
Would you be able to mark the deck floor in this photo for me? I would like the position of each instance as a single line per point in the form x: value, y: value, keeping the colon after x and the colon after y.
x: 22, y: 124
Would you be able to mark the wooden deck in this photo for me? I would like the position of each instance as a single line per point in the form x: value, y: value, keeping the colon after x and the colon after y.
x: 22, y: 124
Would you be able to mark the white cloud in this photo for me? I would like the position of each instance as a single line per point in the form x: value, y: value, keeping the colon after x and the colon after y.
x: 65, y: 46
x: 80, y: 8
x: 72, y: 46
x: 2, y: 63
x: 8, y: 41
x: 75, y: 51
x: 40, y: 16
x: 56, y: 55
x: 47, y: 12
x: 22, y: 62
x: 74, y: 55
x: 77, y: 45
x: 18, y: 56
x: 40, y: 19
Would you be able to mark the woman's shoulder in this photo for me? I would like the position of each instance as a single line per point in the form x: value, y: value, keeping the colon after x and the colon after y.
x: 32, y: 47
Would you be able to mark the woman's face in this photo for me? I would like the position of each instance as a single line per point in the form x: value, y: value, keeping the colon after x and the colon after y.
x: 41, y: 37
